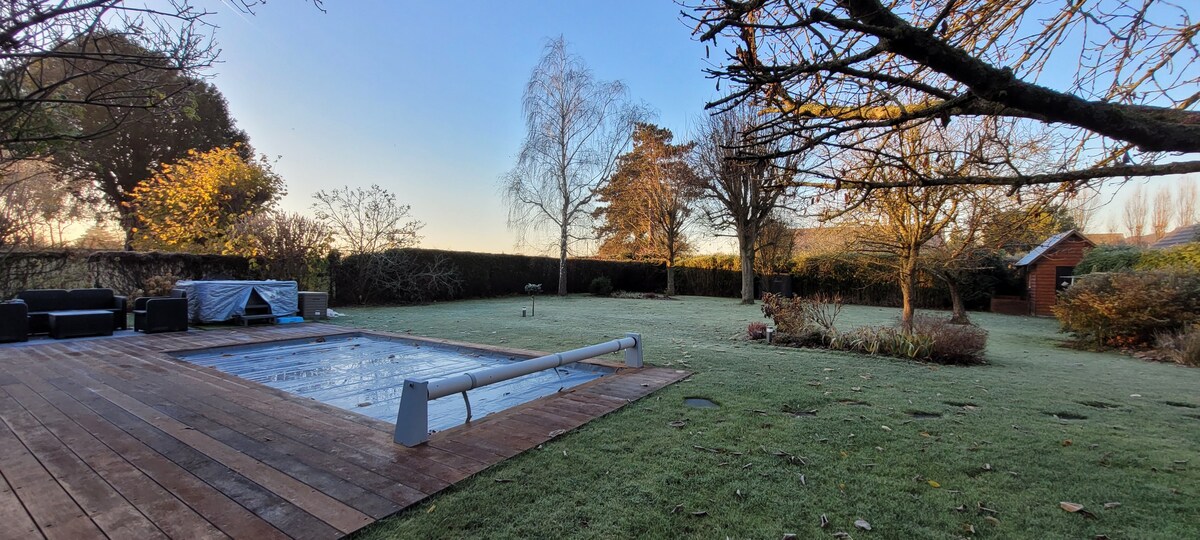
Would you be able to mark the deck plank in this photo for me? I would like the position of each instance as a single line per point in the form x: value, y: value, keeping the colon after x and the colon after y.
x: 107, y: 508
x: 117, y: 438
x: 56, y: 514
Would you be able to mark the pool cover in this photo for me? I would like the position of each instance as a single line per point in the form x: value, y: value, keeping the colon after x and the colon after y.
x: 365, y: 374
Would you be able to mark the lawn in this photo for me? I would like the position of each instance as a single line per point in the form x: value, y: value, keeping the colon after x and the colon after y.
x: 915, y: 450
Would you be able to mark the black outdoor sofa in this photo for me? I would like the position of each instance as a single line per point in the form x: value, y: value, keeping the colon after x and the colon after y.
x: 42, y: 302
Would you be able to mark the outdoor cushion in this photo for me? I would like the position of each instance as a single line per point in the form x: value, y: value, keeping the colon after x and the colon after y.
x: 44, y: 300
x: 90, y: 299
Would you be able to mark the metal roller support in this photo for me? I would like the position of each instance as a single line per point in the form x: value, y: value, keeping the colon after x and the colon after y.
x: 412, y: 420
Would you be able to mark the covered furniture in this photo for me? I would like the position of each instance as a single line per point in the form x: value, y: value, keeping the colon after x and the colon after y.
x: 220, y: 301
x: 14, y: 322
x: 41, y: 302
x: 152, y: 315
x: 314, y: 305
x: 78, y: 323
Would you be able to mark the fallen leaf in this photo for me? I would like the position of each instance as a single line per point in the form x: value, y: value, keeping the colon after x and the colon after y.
x: 1111, y: 505
x: 802, y: 482
x: 992, y: 520
x: 968, y: 528
x: 842, y: 534
x: 961, y: 508
x: 824, y: 521
x: 502, y: 480
x: 862, y: 524
x: 885, y: 428
x: 1067, y: 442
x: 987, y: 466
x: 556, y: 433
x: 430, y: 511
x: 789, y: 536
x: 934, y: 484
x: 677, y: 508
x: 1070, y: 506
x: 925, y: 434
x: 678, y: 423
x: 700, y: 513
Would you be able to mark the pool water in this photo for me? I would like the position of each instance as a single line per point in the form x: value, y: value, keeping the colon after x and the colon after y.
x: 365, y: 374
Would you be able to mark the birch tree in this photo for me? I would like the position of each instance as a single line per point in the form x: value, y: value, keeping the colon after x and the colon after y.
x: 576, y: 126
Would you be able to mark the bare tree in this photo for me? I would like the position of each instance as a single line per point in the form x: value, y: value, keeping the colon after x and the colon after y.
x: 741, y: 194
x: 1081, y: 208
x: 1160, y: 216
x: 1185, y: 202
x: 367, y: 220
x: 1134, y: 215
x: 840, y: 72
x: 37, y: 204
x: 576, y: 128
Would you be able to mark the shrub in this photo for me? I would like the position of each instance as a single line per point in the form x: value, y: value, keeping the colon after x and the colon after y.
x: 1128, y: 308
x: 802, y: 316
x: 601, y: 286
x: 1182, y: 347
x: 757, y: 330
x: 1109, y: 259
x: 159, y: 285
x: 951, y: 343
x: 1182, y: 258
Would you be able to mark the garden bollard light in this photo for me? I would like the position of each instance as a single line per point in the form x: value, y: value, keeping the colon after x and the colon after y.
x: 523, y: 312
x: 770, y: 334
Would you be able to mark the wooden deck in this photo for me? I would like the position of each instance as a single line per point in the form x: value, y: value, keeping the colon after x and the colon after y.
x: 113, y: 438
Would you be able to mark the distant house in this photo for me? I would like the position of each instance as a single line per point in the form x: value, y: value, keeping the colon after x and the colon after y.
x: 1050, y: 268
x: 1178, y: 237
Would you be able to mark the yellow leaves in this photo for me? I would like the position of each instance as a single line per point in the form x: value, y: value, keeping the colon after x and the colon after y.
x: 190, y: 204
x: 934, y: 484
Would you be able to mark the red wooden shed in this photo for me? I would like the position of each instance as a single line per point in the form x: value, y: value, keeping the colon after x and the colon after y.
x: 1049, y: 268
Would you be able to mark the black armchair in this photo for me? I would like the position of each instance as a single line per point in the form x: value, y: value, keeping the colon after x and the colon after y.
x: 152, y: 315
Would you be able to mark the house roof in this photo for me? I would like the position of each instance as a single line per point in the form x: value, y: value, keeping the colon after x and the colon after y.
x: 1049, y: 244
x: 1106, y: 239
x: 1178, y: 237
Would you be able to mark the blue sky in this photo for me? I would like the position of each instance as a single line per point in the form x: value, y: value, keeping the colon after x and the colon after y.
x: 424, y: 98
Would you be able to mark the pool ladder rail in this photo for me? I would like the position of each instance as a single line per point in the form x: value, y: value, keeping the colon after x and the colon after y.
x: 412, y: 419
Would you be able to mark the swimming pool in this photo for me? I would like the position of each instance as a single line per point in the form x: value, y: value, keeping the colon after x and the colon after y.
x: 365, y: 373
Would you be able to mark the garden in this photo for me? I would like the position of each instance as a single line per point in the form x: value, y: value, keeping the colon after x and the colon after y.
x: 1043, y: 440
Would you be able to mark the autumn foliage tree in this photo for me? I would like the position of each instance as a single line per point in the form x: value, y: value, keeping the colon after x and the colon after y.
x: 191, y: 204
x: 648, y: 201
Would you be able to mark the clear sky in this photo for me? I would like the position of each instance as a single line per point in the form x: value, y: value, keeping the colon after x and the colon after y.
x: 424, y: 98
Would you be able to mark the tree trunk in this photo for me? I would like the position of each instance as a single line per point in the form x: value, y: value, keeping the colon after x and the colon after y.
x: 562, y: 263
x: 746, y: 250
x: 127, y: 222
x: 960, y: 311
x: 908, y: 278
x: 670, y: 280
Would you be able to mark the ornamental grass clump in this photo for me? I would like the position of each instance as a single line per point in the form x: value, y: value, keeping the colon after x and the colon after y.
x: 809, y: 322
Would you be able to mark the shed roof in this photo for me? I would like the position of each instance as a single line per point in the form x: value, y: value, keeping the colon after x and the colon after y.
x: 1178, y: 237
x: 1049, y: 244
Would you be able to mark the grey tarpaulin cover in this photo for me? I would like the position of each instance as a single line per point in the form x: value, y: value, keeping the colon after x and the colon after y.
x: 217, y: 301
